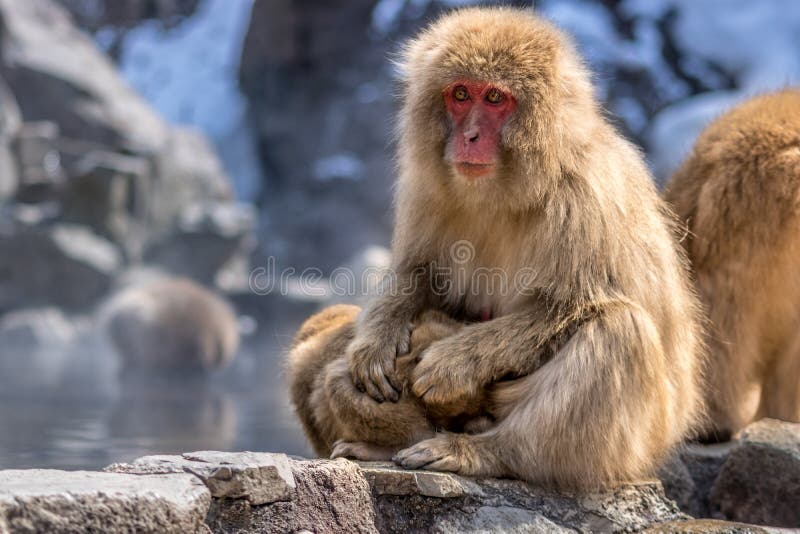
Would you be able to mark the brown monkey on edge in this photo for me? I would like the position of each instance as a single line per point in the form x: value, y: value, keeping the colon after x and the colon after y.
x: 517, y: 200
x: 340, y: 420
x: 738, y: 193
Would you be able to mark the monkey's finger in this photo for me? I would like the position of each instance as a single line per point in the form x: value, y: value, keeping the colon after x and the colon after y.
x: 446, y: 463
x: 416, y: 457
x: 373, y: 391
x: 394, y: 382
x: 378, y: 376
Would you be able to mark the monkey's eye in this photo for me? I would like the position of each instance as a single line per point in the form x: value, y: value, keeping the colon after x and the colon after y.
x: 494, y: 96
x: 460, y: 93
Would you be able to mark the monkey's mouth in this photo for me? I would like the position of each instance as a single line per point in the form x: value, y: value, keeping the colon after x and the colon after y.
x: 474, y: 170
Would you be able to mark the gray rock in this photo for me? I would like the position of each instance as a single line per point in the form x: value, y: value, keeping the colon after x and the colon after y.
x: 10, y: 120
x: 59, y: 501
x: 57, y: 74
x: 188, y: 171
x: 109, y: 193
x: 39, y: 158
x: 705, y: 526
x: 262, y: 492
x: 512, y: 506
x: 691, y: 472
x: 388, y: 479
x: 99, y: 14
x: 8, y: 172
x: 330, y: 496
x: 206, y: 239
x: 62, y: 265
x: 258, y: 477
x: 760, y: 481
x: 10, y: 116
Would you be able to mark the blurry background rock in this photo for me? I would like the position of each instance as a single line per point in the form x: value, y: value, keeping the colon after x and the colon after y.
x: 205, y: 138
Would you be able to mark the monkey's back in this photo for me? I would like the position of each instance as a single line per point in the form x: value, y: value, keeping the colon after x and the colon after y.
x: 172, y: 324
x: 738, y: 195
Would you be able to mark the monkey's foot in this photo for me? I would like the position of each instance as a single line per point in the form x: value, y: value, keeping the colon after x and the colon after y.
x: 361, y: 450
x: 445, y: 452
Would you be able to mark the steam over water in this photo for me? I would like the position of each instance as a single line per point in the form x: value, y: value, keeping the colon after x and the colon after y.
x: 65, y: 407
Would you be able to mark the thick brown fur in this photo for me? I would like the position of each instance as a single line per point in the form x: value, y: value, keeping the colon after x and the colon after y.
x: 574, y: 210
x: 172, y: 324
x: 340, y: 420
x: 738, y: 195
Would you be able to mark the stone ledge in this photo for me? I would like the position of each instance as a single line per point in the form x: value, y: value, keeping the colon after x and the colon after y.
x: 262, y: 492
x: 388, y: 479
x: 43, y: 500
x: 259, y: 477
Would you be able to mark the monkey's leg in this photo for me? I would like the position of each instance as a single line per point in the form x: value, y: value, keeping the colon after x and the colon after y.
x: 383, y: 333
x: 734, y: 385
x: 604, y: 409
x: 780, y: 395
x: 454, y: 371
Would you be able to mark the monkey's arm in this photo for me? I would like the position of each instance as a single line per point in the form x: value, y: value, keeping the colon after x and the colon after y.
x: 383, y: 332
x: 456, y: 370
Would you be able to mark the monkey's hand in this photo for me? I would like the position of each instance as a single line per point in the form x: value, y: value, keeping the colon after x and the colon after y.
x: 447, y: 378
x: 371, y: 357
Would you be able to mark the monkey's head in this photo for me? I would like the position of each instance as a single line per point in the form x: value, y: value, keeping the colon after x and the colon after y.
x: 496, y: 104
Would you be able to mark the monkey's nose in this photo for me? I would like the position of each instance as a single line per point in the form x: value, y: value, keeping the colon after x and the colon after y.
x: 471, y: 135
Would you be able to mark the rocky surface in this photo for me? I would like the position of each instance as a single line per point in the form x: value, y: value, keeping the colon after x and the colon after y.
x: 58, y: 264
x: 343, y: 496
x: 259, y: 477
x: 760, y: 480
x: 753, y: 481
x: 263, y: 492
x: 690, y: 474
x: 79, y: 501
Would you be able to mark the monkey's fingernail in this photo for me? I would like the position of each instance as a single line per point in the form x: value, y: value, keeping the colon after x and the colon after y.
x: 394, y: 397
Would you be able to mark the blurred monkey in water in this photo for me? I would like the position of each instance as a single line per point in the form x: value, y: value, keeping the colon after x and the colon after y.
x: 738, y: 195
x: 172, y: 324
x: 507, y: 164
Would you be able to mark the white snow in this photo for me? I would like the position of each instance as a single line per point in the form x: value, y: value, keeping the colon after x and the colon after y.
x: 189, y: 74
x: 592, y: 26
x: 758, y: 43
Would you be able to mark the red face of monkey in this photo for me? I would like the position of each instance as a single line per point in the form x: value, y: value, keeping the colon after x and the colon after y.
x: 478, y: 111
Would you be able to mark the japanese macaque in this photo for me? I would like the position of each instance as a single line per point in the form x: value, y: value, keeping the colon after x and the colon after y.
x: 340, y: 420
x: 519, y: 203
x: 738, y: 195
x: 172, y: 324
